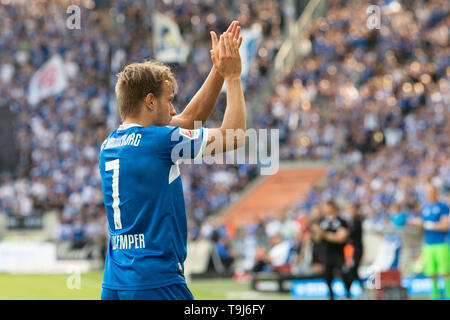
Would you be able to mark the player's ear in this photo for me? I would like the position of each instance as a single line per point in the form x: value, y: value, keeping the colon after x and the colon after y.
x: 150, y: 101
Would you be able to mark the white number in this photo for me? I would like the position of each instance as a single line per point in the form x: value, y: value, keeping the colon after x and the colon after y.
x: 114, y: 166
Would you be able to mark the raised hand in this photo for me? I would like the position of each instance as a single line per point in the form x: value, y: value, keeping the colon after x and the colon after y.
x: 234, y: 29
x: 228, y: 59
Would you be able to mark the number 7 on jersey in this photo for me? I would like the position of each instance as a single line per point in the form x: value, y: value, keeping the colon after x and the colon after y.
x: 114, y: 166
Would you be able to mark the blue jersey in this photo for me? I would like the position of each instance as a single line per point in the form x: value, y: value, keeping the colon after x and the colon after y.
x: 433, y: 212
x: 144, y: 202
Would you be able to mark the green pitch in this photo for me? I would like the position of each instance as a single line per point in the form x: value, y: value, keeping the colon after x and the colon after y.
x: 54, y: 287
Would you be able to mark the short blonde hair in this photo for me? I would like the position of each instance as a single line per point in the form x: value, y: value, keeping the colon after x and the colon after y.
x: 136, y: 80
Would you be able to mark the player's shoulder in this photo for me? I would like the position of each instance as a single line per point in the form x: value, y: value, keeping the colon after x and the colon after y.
x: 164, y: 133
x: 166, y: 129
x: 148, y: 132
x: 105, y: 142
x: 176, y: 132
x: 443, y: 204
x: 444, y: 207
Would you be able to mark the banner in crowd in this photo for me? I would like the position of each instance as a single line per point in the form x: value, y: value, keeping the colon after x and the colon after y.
x: 27, y: 222
x: 249, y: 48
x: 167, y: 41
x: 48, y: 80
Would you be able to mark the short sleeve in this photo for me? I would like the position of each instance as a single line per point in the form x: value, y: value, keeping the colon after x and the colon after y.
x: 444, y: 210
x: 179, y: 143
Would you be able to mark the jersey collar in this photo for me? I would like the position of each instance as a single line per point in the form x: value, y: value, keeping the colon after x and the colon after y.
x: 125, y: 126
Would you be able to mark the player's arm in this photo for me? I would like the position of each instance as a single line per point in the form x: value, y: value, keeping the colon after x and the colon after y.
x: 441, y: 225
x: 340, y: 236
x: 231, y: 134
x: 203, y: 102
x: 417, y: 221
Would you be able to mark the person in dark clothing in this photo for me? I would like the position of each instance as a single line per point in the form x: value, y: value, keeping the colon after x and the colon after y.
x: 356, y: 245
x: 318, y: 247
x: 224, y: 253
x: 333, y: 231
x: 222, y: 256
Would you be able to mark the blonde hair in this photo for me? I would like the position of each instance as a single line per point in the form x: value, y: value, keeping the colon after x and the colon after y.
x: 136, y: 80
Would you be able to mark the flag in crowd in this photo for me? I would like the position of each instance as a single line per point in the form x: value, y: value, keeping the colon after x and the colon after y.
x: 49, y: 80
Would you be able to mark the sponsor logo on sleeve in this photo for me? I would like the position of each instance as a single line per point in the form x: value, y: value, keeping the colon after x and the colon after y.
x: 191, y: 134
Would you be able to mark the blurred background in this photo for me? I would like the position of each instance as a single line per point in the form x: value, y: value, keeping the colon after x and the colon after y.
x: 360, y: 96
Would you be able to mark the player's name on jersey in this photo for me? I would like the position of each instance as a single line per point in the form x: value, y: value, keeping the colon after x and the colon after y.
x: 132, y: 139
x: 128, y: 241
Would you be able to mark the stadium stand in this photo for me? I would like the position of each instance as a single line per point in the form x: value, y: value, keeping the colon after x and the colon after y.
x: 375, y: 103
x: 272, y: 195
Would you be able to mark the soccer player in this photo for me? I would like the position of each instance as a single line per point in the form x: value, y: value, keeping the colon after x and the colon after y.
x: 141, y: 181
x: 435, y: 251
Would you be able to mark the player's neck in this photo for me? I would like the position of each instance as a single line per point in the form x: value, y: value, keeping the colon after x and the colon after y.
x: 141, y: 122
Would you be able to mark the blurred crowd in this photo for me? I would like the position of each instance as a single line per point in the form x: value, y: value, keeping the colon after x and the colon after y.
x: 59, y: 139
x: 377, y: 104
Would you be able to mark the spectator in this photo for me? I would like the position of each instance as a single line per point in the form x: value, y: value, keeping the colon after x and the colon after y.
x: 354, y: 245
x: 333, y: 230
x: 318, y: 246
x: 225, y: 253
x: 279, y: 255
